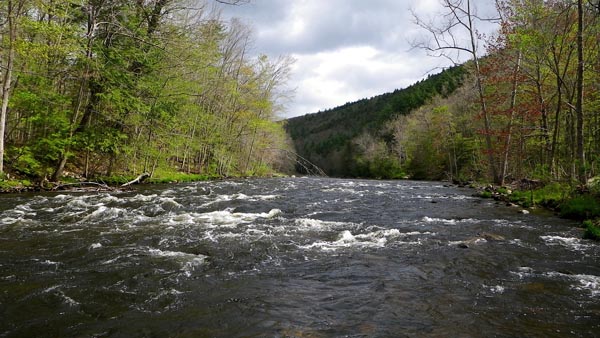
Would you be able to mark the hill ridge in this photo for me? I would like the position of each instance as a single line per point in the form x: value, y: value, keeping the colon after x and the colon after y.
x: 325, y: 137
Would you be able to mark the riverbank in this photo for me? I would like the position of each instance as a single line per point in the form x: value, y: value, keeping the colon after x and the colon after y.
x: 12, y: 184
x: 577, y: 203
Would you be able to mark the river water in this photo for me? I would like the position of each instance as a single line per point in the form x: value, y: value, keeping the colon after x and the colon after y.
x: 294, y: 257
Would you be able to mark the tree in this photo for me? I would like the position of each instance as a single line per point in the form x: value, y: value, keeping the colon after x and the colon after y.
x: 579, y: 100
x: 460, y: 18
x: 13, y: 10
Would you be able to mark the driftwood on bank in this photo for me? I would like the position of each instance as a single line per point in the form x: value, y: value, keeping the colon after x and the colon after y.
x: 138, y: 179
x: 95, y: 186
x: 84, y: 186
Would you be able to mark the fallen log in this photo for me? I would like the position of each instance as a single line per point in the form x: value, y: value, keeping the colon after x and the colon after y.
x: 100, y: 186
x: 138, y: 179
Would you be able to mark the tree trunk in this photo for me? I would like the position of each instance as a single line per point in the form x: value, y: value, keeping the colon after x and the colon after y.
x: 581, y: 174
x: 486, y: 119
x: 7, y: 79
x: 59, y: 168
x: 513, y: 103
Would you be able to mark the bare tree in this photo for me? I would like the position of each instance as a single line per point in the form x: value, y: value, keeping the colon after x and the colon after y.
x: 458, y: 20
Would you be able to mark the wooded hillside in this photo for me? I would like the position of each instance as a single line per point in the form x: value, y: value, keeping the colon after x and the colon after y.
x: 332, y: 139
x: 529, y: 109
x: 105, y: 87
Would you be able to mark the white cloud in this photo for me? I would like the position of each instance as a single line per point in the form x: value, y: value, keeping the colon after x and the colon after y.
x: 346, y: 50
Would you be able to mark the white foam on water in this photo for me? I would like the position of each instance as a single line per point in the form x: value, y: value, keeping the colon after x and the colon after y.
x: 191, y: 265
x: 179, y: 219
x: 346, y: 191
x: 71, y: 230
x: 189, y: 262
x: 104, y: 213
x: 438, y: 220
x: 62, y: 197
x: 140, y: 219
x: 95, y: 246
x: 52, y: 288
x: 49, y: 262
x: 68, y: 300
x: 511, y: 224
x: 143, y: 198
x: 9, y: 220
x: 227, y: 218
x: 240, y: 197
x: 581, y: 282
x: 571, y: 243
x: 589, y: 283
x: 469, y: 241
x: 109, y: 199
x: 499, y: 289
x: 19, y: 215
x: 415, y: 233
x: 169, y: 203
x: 516, y: 242
x: 523, y: 272
x: 80, y: 203
x: 59, y: 293
x: 309, y: 224
x: 346, y: 239
x: 25, y: 208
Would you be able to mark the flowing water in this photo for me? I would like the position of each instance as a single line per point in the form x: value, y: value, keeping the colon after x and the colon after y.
x: 295, y: 257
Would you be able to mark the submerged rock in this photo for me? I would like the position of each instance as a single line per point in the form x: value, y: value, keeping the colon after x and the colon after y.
x: 490, y: 237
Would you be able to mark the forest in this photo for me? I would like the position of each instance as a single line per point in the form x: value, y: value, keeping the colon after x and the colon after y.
x: 109, y: 88
x: 527, y: 106
x: 354, y: 140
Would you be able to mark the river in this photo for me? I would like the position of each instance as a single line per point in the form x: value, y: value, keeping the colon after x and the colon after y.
x: 292, y: 257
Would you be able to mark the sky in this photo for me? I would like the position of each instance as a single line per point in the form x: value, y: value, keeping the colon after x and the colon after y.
x: 345, y: 50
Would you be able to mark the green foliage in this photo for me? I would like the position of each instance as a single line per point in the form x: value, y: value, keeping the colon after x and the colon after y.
x: 13, y: 185
x: 379, y: 167
x: 485, y: 194
x: 551, y: 195
x: 334, y: 131
x: 592, y: 231
x: 24, y: 162
x: 141, y: 92
x: 581, y: 207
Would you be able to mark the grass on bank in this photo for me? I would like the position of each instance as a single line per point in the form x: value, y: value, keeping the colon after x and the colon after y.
x: 14, y: 185
x: 563, y: 198
x: 159, y: 177
x: 550, y: 196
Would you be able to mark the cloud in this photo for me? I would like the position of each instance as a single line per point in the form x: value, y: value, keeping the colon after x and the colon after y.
x: 346, y: 50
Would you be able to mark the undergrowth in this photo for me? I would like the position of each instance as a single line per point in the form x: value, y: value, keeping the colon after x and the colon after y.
x: 550, y: 196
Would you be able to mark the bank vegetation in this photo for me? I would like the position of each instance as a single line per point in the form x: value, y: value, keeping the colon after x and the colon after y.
x: 114, y: 88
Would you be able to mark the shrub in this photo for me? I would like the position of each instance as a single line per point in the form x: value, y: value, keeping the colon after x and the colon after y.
x: 550, y: 196
x: 591, y: 231
x: 485, y: 194
x: 581, y: 207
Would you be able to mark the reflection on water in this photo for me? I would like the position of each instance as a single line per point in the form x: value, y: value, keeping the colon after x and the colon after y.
x: 291, y: 258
